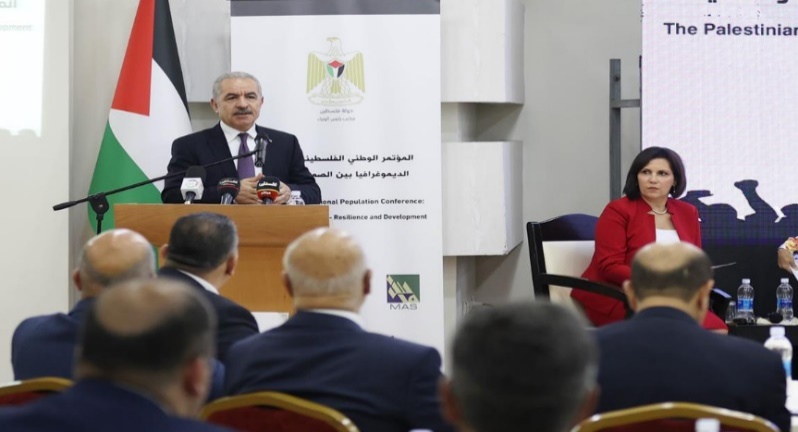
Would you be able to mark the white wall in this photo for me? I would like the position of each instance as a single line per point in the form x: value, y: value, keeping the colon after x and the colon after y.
x: 564, y: 122
x: 33, y: 259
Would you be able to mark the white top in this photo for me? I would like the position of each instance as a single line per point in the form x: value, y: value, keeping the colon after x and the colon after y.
x: 666, y: 236
x: 234, y: 141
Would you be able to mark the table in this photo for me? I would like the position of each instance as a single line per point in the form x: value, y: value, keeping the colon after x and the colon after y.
x: 761, y: 332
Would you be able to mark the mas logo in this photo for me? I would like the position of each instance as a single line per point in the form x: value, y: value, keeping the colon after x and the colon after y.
x: 336, y: 78
x: 404, y: 291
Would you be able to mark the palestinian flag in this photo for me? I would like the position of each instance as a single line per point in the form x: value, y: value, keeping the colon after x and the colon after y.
x: 148, y: 112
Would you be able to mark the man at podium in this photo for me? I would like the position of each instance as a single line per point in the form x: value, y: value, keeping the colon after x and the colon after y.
x: 237, y: 99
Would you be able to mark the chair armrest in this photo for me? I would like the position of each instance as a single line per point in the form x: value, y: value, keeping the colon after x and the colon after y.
x: 587, y: 285
x: 719, y: 294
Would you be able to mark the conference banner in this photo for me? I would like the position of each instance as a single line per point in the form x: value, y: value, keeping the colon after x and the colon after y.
x: 358, y: 82
x: 718, y: 80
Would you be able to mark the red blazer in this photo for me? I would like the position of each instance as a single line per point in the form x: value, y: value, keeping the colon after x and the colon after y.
x: 623, y: 228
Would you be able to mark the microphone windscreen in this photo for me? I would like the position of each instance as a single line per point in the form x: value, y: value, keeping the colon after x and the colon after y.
x: 268, y: 187
x: 229, y: 185
x: 196, y: 172
x: 193, y: 183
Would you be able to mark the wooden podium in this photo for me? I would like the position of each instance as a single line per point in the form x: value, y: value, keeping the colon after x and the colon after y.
x: 263, y: 232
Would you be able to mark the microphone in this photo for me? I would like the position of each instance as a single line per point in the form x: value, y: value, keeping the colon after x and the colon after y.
x: 261, y: 142
x: 193, y: 184
x: 268, y: 189
x: 228, y: 189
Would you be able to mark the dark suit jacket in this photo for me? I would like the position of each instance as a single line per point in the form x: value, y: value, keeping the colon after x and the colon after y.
x: 284, y: 159
x: 96, y: 406
x: 44, y: 346
x: 234, y: 321
x: 662, y: 354
x: 382, y: 384
x: 623, y: 228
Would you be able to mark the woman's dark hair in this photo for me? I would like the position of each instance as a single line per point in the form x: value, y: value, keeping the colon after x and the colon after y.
x: 632, y: 187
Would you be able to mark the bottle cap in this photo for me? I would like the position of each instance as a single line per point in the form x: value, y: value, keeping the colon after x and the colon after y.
x: 746, y: 281
x: 777, y: 331
x: 707, y: 425
x: 785, y: 280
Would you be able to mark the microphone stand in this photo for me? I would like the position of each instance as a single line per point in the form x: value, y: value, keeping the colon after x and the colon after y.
x: 99, y: 201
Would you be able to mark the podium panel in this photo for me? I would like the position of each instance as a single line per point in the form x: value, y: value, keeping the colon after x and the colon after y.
x: 264, y: 232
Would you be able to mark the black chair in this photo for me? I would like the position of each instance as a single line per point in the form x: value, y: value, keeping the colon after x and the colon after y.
x: 574, y: 235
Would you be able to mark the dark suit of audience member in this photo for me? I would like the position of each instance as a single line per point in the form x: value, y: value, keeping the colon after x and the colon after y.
x: 143, y: 364
x: 521, y: 367
x: 662, y: 353
x: 203, y: 253
x: 323, y: 354
x: 44, y: 345
x: 237, y: 99
x: 235, y: 322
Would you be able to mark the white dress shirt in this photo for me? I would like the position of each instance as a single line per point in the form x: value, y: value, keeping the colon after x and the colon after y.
x: 205, y: 284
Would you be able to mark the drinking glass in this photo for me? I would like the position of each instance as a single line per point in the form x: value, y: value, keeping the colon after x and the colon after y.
x: 731, y: 311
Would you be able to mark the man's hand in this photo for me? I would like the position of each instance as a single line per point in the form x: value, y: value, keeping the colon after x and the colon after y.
x: 285, y: 194
x: 248, y: 193
x: 786, y: 260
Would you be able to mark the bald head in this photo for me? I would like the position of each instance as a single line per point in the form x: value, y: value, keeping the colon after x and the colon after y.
x: 676, y: 270
x: 326, y: 263
x: 114, y: 256
x: 148, y: 327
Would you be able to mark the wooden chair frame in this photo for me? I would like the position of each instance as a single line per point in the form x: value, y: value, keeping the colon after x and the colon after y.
x: 51, y: 384
x: 283, y: 401
x: 675, y: 410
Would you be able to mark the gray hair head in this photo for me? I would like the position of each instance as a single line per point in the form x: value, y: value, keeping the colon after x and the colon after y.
x: 217, y: 85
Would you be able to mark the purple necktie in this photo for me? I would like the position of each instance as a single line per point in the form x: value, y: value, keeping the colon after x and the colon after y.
x: 246, y: 168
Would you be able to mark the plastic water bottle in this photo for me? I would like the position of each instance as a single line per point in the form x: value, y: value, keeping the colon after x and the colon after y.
x: 784, y: 299
x: 707, y: 425
x: 745, y: 299
x: 296, y: 198
x: 779, y: 344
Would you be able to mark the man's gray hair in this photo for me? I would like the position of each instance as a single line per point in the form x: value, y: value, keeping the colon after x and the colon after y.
x: 144, y: 268
x: 303, y: 284
x: 217, y: 85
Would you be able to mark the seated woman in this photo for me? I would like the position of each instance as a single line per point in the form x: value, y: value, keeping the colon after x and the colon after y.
x: 647, y: 213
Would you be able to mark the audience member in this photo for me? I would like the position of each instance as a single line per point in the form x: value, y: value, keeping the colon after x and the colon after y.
x: 203, y: 252
x: 323, y: 354
x: 662, y: 353
x: 144, y: 355
x: 45, y: 345
x: 521, y: 367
